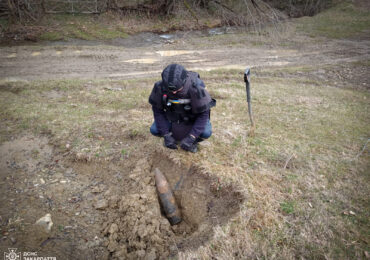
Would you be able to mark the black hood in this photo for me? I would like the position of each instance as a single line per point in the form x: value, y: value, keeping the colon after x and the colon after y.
x: 174, y: 77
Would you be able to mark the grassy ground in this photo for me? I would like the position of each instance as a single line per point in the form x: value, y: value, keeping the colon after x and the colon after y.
x: 103, y: 26
x: 85, y: 27
x: 303, y: 170
x: 343, y: 20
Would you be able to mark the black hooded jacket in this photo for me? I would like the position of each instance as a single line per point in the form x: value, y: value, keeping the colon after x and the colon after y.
x: 193, y: 90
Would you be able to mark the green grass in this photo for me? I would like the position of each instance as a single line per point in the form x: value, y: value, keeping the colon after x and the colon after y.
x: 85, y: 27
x: 51, y: 36
x: 287, y: 207
x: 341, y: 21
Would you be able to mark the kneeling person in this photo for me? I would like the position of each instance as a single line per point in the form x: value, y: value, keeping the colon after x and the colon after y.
x: 181, y: 108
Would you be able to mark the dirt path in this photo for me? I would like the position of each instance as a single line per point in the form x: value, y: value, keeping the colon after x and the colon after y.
x: 90, y: 60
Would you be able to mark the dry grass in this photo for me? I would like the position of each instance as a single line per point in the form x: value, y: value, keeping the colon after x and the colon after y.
x: 343, y: 20
x: 307, y: 190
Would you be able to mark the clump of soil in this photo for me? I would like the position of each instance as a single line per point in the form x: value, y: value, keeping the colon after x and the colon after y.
x: 136, y: 227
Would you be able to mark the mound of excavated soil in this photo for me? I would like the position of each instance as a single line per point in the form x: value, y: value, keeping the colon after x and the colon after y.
x: 103, y: 210
x: 136, y: 227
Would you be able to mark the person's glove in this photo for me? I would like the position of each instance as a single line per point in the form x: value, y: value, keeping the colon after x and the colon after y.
x: 189, y: 144
x: 169, y: 141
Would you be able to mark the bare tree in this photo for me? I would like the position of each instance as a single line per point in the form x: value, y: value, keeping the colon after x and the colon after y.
x: 24, y: 10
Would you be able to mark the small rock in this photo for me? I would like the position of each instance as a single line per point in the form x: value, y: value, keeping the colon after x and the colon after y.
x: 68, y: 145
x: 42, y: 181
x: 113, y: 228
x: 101, y: 204
x: 45, y: 222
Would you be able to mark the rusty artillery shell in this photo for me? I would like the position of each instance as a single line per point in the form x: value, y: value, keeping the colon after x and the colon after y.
x: 166, y: 198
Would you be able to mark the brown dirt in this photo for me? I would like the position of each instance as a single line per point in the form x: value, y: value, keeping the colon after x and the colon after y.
x: 35, y: 182
x: 101, y: 210
x: 137, y: 228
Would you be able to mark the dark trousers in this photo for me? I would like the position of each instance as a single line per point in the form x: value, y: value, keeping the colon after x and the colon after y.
x: 206, y: 133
